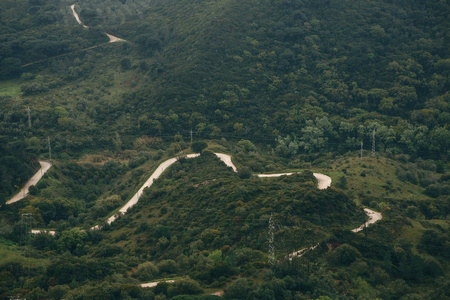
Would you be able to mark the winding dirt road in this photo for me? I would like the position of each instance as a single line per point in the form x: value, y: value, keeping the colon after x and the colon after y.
x: 112, y: 39
x: 155, y: 283
x: 374, y: 217
x: 155, y: 175
x: 76, y: 16
x: 323, y: 182
x: 45, y: 166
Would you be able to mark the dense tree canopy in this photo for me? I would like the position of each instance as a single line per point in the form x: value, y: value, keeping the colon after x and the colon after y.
x: 280, y: 85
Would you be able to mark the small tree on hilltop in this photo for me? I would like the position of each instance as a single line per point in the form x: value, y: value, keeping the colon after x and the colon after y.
x: 198, y: 146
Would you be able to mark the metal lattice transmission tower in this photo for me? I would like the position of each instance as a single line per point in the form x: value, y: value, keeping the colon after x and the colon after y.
x: 361, y: 149
x: 49, y: 148
x: 29, y: 116
x: 26, y: 228
x: 27, y: 220
x: 271, y: 241
x: 373, y: 143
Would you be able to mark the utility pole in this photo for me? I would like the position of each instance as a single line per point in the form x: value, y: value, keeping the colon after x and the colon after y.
x: 373, y: 143
x: 27, y: 219
x: 271, y: 241
x: 365, y: 223
x: 49, y: 148
x: 191, y: 135
x: 361, y: 149
x: 29, y: 116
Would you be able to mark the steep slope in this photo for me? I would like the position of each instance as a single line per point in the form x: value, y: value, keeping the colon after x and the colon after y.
x: 16, y: 168
x: 260, y: 70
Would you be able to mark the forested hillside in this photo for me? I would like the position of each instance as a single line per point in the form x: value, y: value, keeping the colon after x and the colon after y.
x: 357, y: 90
x: 16, y: 167
x: 318, y: 75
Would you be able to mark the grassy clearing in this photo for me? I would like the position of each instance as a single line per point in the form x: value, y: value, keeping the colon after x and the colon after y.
x: 443, y: 223
x: 373, y: 176
x: 412, y: 233
x: 10, y: 88
x: 10, y: 253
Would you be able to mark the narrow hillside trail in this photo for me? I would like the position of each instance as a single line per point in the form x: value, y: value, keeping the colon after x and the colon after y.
x: 112, y: 39
x: 155, y: 175
x: 374, y: 217
x: 323, y: 182
x: 76, y: 16
x: 155, y: 283
x: 45, y: 166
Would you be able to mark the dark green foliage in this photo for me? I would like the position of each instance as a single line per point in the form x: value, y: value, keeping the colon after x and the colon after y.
x: 342, y: 183
x: 16, y: 167
x: 238, y: 289
x: 184, y: 286
x: 78, y: 270
x: 185, y: 297
x: 10, y: 67
x: 161, y: 288
x: 296, y: 79
x: 125, y: 64
x: 107, y: 251
x: 435, y: 243
x: 162, y: 231
x: 72, y: 240
x: 232, y: 208
x: 245, y: 173
x: 44, y: 242
x: 198, y: 146
x: 344, y: 255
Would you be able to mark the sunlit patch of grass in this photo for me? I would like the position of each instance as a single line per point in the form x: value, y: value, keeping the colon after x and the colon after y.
x: 9, y: 253
x: 7, y: 256
x: 412, y: 234
x: 10, y: 88
x: 443, y: 223
x: 374, y: 177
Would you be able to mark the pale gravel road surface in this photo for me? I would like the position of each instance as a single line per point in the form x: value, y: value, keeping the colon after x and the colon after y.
x: 273, y: 175
x: 227, y: 160
x: 112, y: 39
x: 161, y: 168
x: 155, y: 283
x: 45, y: 166
x: 373, y: 218
x: 76, y: 16
x: 324, y: 182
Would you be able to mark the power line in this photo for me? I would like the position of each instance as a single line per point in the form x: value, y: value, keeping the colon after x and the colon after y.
x: 29, y: 116
x: 271, y: 241
x: 373, y: 142
x: 27, y: 219
x: 361, y: 150
x: 49, y: 148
